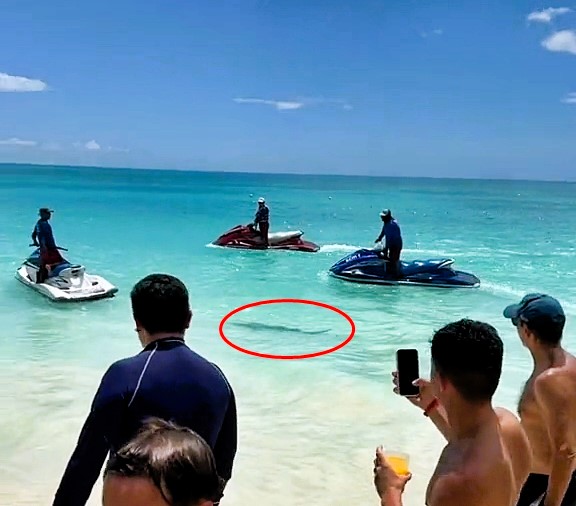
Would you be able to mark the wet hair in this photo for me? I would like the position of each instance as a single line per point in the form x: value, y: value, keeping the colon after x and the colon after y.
x: 176, y: 459
x: 160, y: 303
x: 469, y: 354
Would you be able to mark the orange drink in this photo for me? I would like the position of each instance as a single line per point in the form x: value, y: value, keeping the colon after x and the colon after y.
x: 398, y: 461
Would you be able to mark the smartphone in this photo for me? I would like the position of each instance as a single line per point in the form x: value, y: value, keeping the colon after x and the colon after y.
x: 408, y: 371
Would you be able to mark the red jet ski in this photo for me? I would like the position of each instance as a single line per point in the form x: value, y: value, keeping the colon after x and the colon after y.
x: 247, y: 237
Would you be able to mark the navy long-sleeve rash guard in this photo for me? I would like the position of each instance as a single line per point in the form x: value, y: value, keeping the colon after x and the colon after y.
x: 168, y: 380
x: 393, y: 235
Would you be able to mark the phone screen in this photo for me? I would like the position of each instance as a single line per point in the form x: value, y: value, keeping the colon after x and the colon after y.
x: 408, y: 371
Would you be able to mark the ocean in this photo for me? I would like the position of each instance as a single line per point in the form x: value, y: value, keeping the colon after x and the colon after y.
x: 307, y: 428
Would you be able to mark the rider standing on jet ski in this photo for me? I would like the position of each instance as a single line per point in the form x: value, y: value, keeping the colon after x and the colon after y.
x: 262, y: 219
x: 393, y: 247
x: 42, y: 237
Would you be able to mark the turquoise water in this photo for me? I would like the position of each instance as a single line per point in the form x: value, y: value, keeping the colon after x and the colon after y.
x: 309, y: 426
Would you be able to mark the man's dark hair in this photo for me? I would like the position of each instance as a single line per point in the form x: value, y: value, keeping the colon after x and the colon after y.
x: 160, y: 303
x: 469, y: 354
x: 547, y: 332
x: 176, y: 459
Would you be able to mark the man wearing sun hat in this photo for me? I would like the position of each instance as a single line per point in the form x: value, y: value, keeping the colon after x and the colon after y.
x: 262, y: 219
x: 547, y: 407
x: 393, y: 247
x: 43, y: 237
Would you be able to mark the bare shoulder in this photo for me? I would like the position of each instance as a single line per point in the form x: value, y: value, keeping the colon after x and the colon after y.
x: 505, y: 416
x: 516, y: 441
x: 509, y: 422
x: 457, y: 488
x: 513, y: 431
x: 555, y: 385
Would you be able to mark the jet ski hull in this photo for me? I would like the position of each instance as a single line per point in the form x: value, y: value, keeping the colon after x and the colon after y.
x: 367, y: 267
x: 246, y: 237
x: 70, y: 283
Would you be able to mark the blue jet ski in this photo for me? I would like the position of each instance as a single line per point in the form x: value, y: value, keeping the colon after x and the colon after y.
x: 368, y: 266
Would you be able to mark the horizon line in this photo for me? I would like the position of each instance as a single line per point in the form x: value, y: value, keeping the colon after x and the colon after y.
x: 307, y: 174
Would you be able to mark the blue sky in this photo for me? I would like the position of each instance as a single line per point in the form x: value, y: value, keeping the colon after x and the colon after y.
x: 379, y: 87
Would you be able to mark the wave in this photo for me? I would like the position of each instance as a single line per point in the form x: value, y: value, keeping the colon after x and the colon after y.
x: 337, y: 248
x: 500, y: 289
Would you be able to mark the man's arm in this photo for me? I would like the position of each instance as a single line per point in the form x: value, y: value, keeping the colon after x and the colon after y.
x: 92, y: 447
x: 382, y: 234
x: 552, y: 395
x: 35, y: 236
x: 440, y: 419
x: 392, y: 497
x: 227, y: 442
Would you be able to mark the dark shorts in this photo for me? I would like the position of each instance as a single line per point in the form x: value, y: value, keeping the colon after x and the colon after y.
x: 535, y: 487
x: 263, y: 227
x: 50, y: 257
x: 394, y: 253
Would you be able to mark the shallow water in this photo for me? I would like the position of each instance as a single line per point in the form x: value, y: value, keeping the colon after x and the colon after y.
x: 308, y: 427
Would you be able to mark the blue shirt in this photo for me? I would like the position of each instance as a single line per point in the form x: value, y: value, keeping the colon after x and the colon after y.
x: 168, y: 380
x: 393, y: 235
x: 262, y: 214
x: 43, y: 233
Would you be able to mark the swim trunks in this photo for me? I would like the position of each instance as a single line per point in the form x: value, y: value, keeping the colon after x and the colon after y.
x: 535, y: 487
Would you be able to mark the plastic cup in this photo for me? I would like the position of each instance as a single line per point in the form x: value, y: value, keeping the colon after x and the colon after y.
x: 399, y: 462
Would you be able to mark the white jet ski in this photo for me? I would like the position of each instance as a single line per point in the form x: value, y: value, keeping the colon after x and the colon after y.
x: 66, y: 282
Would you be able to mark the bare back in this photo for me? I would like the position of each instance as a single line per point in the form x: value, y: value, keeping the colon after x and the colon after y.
x: 560, y: 376
x: 488, y: 469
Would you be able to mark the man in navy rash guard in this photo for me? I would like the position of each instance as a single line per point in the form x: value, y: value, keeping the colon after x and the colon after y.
x: 166, y: 380
x: 393, y: 248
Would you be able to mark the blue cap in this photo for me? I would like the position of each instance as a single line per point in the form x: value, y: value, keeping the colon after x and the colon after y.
x: 536, y: 307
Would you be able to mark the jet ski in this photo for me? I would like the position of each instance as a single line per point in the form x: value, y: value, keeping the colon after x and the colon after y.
x: 247, y: 237
x: 66, y: 282
x: 368, y: 266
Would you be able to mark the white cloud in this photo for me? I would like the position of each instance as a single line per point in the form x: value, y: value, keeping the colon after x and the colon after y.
x: 15, y: 84
x: 92, y: 145
x: 95, y: 146
x: 51, y: 146
x: 563, y: 41
x: 14, y: 141
x: 570, y: 98
x: 547, y: 15
x: 437, y: 31
x: 278, y: 104
x: 283, y: 105
x: 117, y: 150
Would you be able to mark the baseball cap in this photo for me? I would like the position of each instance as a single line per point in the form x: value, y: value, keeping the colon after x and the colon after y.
x: 385, y: 212
x: 261, y: 200
x: 46, y: 210
x: 536, y: 307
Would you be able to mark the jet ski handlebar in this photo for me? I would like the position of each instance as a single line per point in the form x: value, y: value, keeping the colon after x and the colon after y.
x: 57, y: 247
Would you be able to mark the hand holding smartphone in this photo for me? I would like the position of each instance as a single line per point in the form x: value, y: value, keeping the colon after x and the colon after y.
x: 408, y: 372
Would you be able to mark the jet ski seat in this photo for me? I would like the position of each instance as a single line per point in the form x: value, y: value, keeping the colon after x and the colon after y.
x: 417, y: 266
x: 277, y: 237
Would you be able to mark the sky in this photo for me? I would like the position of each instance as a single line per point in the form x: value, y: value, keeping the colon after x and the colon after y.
x: 376, y: 87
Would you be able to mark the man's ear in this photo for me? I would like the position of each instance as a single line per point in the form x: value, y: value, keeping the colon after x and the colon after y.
x: 528, y: 334
x: 443, y: 382
x: 189, y: 319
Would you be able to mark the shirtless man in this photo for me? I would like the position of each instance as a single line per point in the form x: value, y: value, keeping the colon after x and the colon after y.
x: 487, y: 458
x: 547, y: 406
